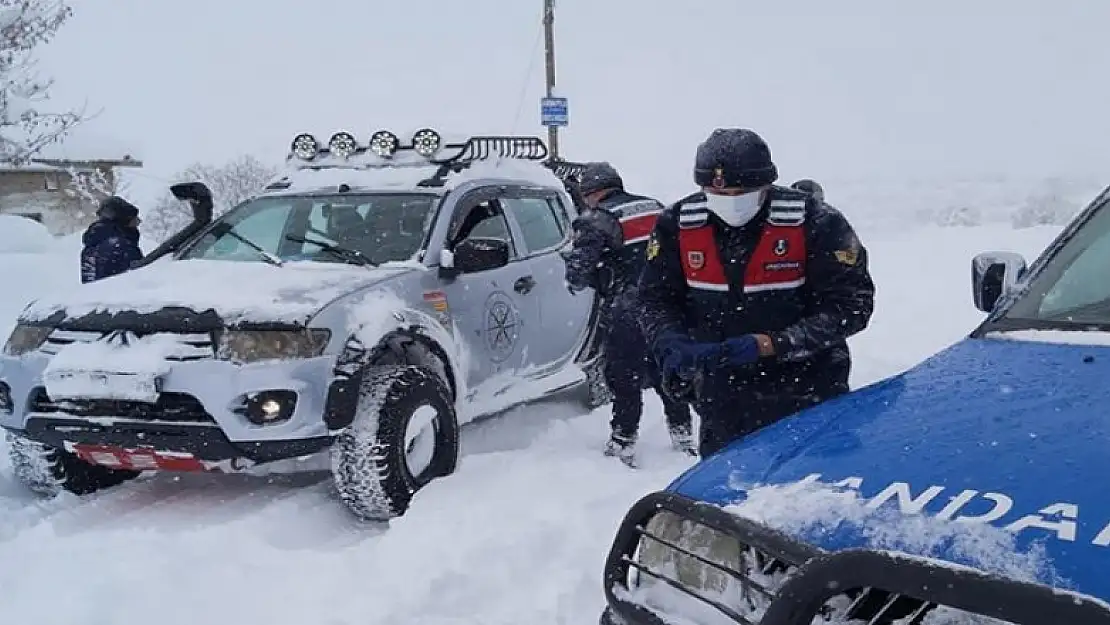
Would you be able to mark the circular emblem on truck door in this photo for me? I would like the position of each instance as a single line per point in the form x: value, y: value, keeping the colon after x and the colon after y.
x: 502, y: 326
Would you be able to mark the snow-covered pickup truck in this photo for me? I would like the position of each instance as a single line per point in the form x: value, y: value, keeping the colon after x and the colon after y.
x: 349, y: 317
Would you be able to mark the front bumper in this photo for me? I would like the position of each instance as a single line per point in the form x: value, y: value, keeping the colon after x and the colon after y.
x: 200, y: 410
x: 781, y: 581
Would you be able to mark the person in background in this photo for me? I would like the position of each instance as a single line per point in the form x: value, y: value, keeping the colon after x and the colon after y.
x: 608, y: 255
x: 751, y: 291
x: 111, y: 243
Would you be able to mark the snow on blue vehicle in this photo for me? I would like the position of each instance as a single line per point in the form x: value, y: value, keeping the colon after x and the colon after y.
x: 968, y: 489
x: 350, y: 317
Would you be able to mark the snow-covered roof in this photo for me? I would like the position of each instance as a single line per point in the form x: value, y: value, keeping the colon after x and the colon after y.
x: 84, y: 145
x: 60, y: 165
x: 29, y: 167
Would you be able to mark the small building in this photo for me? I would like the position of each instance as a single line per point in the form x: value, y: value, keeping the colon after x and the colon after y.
x: 43, y: 189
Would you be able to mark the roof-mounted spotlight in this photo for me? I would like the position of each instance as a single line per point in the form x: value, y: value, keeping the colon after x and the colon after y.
x: 342, y: 144
x: 384, y: 143
x: 305, y: 147
x: 426, y: 142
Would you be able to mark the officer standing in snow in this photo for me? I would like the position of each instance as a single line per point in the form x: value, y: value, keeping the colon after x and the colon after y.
x: 750, y: 291
x: 608, y: 255
x: 111, y: 243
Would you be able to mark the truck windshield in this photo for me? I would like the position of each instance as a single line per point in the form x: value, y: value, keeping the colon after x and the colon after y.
x: 366, y: 229
x: 1073, y: 289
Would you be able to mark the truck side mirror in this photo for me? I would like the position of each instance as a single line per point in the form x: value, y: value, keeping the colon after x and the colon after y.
x: 992, y: 274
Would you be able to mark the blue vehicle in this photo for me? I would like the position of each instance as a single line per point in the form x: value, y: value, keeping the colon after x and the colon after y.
x: 971, y: 488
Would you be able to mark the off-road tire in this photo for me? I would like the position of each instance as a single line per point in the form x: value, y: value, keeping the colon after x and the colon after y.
x: 47, y: 471
x: 368, y: 458
x: 597, y: 391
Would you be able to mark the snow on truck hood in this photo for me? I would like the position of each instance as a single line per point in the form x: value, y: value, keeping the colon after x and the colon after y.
x: 236, y: 291
x: 992, y: 454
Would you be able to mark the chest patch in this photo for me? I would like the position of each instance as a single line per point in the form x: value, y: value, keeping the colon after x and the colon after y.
x: 782, y: 265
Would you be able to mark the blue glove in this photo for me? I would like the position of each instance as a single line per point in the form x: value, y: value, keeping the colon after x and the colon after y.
x: 681, y: 356
x: 742, y: 350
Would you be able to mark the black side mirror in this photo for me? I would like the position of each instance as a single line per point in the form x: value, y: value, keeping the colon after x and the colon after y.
x: 474, y: 255
x: 992, y: 274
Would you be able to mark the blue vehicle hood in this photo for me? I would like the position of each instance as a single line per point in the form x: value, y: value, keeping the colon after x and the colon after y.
x: 1009, y: 438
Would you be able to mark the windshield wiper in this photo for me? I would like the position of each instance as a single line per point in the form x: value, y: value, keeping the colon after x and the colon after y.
x: 343, y: 253
x: 263, y: 254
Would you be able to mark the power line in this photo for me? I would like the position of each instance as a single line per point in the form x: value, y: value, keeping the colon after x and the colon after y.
x: 532, y: 56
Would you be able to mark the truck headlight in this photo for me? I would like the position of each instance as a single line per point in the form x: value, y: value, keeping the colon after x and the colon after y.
x: 245, y: 346
x: 25, y: 339
x: 688, y: 569
x: 668, y: 535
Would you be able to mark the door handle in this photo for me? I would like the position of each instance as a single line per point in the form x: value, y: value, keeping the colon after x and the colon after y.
x: 524, y: 285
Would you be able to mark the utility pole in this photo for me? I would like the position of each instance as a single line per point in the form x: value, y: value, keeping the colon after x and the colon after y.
x: 549, y: 61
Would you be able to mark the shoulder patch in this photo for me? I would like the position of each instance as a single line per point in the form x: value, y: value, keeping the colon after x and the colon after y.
x: 652, y: 246
x: 848, y: 256
x: 693, y: 215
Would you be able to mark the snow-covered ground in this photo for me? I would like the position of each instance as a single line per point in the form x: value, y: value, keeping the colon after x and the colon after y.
x: 518, y: 534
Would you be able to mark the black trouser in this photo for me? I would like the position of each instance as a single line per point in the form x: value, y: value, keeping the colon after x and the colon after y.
x: 731, y: 410
x: 629, y: 369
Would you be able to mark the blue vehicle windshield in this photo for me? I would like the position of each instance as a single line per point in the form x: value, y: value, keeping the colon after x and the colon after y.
x: 380, y: 228
x: 1072, y: 290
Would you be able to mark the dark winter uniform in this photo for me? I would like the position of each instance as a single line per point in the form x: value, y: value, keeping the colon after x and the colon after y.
x: 608, y: 255
x: 111, y: 244
x: 793, y: 276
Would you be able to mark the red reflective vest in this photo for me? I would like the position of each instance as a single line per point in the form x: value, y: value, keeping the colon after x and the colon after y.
x: 777, y: 263
x: 638, y: 219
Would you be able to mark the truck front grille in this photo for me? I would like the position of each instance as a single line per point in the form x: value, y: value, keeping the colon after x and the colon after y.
x: 194, y: 345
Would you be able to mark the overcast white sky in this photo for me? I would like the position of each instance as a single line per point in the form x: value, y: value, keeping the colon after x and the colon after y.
x: 854, y: 88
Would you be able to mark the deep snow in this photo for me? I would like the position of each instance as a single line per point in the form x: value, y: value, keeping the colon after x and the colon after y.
x: 519, y: 533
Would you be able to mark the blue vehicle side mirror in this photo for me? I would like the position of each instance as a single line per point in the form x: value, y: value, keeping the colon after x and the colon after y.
x: 992, y: 274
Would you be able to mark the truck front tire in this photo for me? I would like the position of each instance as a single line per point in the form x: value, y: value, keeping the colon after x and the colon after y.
x: 404, y: 434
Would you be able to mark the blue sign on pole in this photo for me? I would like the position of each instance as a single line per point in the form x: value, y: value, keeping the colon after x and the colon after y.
x: 553, y: 112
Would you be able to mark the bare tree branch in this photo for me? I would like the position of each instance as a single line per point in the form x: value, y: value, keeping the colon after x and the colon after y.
x: 90, y: 186
x: 25, y: 129
x: 231, y: 184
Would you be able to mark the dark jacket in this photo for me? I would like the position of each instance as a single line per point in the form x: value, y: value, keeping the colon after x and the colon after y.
x: 109, y: 249
x: 796, y: 272
x: 609, y: 243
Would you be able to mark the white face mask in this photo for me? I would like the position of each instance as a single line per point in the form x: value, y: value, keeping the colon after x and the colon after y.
x: 735, y: 210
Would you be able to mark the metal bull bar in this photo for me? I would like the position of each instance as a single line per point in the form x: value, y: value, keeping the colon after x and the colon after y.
x: 875, y: 587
